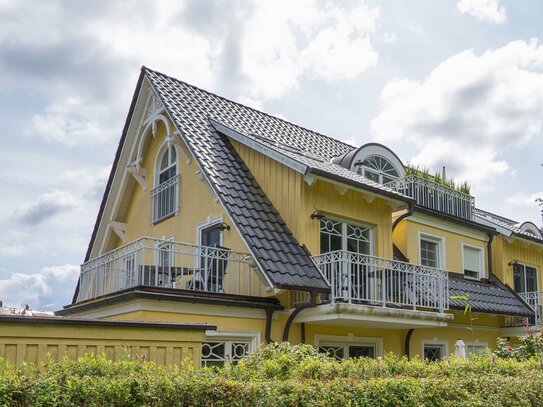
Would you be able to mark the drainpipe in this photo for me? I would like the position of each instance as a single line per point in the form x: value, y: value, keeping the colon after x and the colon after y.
x: 408, y: 343
x: 267, y: 332
x: 312, y: 303
x: 410, y: 210
x: 489, y: 253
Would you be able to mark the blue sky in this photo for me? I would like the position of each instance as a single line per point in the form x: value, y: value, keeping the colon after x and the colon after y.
x: 455, y: 83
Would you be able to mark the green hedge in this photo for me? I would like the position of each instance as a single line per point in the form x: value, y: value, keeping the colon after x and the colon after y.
x: 278, y: 375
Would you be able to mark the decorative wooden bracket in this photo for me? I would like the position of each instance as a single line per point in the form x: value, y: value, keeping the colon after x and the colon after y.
x: 309, y: 179
x: 119, y: 228
x: 176, y: 140
x: 139, y: 173
x: 340, y: 189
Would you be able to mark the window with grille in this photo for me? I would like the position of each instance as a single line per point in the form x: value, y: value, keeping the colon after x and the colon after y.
x: 434, y: 351
x: 164, y: 197
x: 349, y: 351
x: 337, y: 235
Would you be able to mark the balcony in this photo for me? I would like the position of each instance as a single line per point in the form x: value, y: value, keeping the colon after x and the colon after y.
x: 361, y: 279
x: 435, y: 196
x: 168, y: 264
x: 535, y: 300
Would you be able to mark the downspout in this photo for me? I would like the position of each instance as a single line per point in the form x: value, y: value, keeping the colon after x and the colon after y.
x: 410, y: 210
x: 312, y: 303
x: 489, y: 253
x: 267, y: 331
x: 408, y: 343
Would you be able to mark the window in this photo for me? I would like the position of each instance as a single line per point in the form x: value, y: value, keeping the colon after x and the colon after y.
x: 164, y: 197
x: 227, y: 347
x: 473, y: 261
x: 475, y: 348
x: 378, y: 169
x: 218, y: 353
x: 431, y: 251
x: 347, y: 347
x: 337, y: 235
x: 525, y: 278
x: 434, y: 350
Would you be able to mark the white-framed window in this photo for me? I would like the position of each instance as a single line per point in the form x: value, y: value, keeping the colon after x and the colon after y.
x: 164, y: 261
x: 350, y: 346
x: 472, y: 261
x: 378, y: 169
x: 524, y: 278
x: 475, y: 348
x: 434, y: 349
x: 431, y: 250
x: 222, y: 347
x: 165, y: 194
x: 340, y: 235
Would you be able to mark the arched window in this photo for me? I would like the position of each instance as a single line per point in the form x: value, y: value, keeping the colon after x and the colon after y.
x: 378, y: 169
x: 164, y: 197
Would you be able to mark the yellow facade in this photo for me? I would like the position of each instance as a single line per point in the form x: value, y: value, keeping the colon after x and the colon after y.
x: 296, y: 197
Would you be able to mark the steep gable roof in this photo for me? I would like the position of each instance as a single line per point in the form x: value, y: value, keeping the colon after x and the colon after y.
x: 279, y: 255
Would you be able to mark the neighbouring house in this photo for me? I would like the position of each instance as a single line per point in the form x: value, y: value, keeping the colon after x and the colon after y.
x: 215, y: 212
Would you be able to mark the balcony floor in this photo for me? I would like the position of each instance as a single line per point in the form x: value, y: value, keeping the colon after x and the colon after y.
x: 360, y: 315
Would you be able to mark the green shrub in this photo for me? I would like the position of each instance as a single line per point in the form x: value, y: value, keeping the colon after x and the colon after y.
x: 277, y: 375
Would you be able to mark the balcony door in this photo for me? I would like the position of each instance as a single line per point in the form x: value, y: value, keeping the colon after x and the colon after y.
x: 351, y: 275
x: 525, y: 278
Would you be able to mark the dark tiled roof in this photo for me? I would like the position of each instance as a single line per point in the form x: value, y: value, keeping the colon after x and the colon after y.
x: 508, y: 224
x: 493, y: 297
x: 282, y: 259
x: 319, y: 165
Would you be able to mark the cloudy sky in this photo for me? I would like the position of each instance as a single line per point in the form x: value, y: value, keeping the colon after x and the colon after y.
x: 455, y: 83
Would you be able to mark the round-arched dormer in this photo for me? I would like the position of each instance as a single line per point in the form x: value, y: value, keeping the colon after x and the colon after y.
x: 373, y: 161
x: 531, y: 228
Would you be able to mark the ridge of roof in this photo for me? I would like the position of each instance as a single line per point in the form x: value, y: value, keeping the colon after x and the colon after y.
x: 280, y: 257
x: 347, y: 146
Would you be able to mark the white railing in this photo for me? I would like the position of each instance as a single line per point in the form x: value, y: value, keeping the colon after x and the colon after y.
x: 159, y: 263
x: 164, y: 199
x: 436, y: 196
x: 357, y: 278
x: 535, y: 300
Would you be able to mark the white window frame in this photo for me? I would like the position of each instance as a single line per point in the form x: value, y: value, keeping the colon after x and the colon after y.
x: 440, y: 240
x: 159, y: 246
x: 210, y: 221
x: 344, y: 222
x: 482, y: 265
x: 156, y: 181
x: 346, y: 341
x: 475, y: 343
x: 229, y: 337
x: 531, y: 265
x: 435, y: 342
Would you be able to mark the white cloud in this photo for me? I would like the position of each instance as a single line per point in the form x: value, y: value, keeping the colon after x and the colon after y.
x: 84, y: 62
x: 46, y: 206
x: 42, y: 290
x: 469, y: 112
x: 489, y: 11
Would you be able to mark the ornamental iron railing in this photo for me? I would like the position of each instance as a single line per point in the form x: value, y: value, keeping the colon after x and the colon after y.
x: 358, y: 278
x: 164, y: 199
x: 169, y: 264
x: 535, y: 300
x: 435, y: 196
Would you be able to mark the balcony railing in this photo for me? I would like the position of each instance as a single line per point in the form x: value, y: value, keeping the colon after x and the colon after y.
x: 435, y: 196
x: 164, y: 199
x: 535, y: 300
x: 357, y: 278
x: 159, y: 263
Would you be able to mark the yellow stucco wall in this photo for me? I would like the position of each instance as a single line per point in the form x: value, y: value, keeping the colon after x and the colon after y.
x: 31, y: 342
x: 504, y: 251
x: 407, y: 238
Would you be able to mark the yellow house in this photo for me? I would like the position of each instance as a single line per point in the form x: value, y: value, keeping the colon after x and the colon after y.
x: 215, y: 212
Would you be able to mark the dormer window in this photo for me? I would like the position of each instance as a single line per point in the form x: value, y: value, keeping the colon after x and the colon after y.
x: 165, y: 195
x: 378, y: 169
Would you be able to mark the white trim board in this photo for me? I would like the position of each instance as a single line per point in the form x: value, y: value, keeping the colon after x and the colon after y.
x: 426, y: 220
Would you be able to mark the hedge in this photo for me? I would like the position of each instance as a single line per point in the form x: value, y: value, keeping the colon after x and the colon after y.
x: 277, y: 375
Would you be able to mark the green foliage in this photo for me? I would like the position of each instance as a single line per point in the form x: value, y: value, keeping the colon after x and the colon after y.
x: 530, y: 346
x: 438, y: 178
x: 277, y: 375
